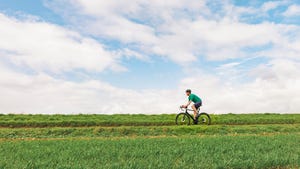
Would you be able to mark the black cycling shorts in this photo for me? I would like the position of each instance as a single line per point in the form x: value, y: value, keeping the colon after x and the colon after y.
x: 198, y: 104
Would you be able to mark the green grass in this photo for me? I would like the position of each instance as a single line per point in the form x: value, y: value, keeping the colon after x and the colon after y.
x: 135, y: 131
x: 137, y: 120
x: 149, y: 141
x: 279, y: 151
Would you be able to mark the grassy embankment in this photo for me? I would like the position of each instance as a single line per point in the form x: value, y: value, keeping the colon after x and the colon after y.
x: 137, y: 120
x: 140, y: 141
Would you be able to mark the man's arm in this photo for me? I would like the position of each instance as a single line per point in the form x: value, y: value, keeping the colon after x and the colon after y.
x: 187, y: 105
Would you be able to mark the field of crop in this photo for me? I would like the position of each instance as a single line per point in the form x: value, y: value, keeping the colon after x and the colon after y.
x: 149, y: 141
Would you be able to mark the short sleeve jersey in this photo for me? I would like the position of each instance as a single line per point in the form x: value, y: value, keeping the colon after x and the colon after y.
x: 194, y: 98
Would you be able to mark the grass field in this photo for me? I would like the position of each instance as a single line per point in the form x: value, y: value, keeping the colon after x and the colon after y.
x: 141, y: 141
x: 12, y: 120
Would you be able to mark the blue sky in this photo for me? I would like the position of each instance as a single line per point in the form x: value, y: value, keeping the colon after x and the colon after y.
x: 158, y: 73
x: 31, y: 7
x: 146, y: 53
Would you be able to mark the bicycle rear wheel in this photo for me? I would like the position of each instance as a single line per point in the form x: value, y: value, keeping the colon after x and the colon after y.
x: 204, y: 119
x: 182, y: 119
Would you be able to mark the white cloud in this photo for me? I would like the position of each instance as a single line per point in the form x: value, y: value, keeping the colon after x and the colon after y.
x: 293, y: 10
x: 276, y: 88
x: 183, y: 31
x: 42, y: 93
x: 141, y: 23
x: 47, y: 47
x: 221, y: 40
x: 270, y: 5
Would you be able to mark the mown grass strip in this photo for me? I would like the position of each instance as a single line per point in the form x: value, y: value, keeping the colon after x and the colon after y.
x: 133, y: 131
x: 15, y: 121
x: 279, y: 151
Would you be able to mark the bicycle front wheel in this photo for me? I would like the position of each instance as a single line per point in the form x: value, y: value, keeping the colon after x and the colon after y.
x: 182, y: 119
x: 204, y: 119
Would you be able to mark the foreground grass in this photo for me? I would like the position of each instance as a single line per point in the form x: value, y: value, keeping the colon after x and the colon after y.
x: 12, y: 120
x: 278, y: 151
x: 134, y: 131
x: 149, y: 141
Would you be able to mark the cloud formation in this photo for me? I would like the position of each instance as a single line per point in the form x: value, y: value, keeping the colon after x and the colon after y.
x: 235, y: 65
x: 293, y: 10
x: 183, y: 30
x: 43, y: 46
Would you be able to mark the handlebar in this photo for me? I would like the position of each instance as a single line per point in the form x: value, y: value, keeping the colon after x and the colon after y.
x: 182, y: 109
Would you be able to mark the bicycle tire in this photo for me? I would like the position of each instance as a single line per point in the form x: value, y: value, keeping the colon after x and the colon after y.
x: 182, y: 119
x: 204, y: 119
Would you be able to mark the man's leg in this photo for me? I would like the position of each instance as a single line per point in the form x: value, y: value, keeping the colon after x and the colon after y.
x: 195, y: 111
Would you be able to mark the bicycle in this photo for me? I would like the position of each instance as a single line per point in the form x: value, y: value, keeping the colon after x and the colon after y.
x: 184, y: 117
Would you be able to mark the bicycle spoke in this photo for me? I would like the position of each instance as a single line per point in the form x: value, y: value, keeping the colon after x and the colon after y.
x: 204, y: 119
x: 182, y: 119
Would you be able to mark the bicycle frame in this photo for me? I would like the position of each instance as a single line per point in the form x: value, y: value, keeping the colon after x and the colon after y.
x: 205, y: 118
x: 187, y: 112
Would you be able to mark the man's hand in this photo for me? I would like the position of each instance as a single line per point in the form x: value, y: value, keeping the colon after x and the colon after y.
x: 183, y: 106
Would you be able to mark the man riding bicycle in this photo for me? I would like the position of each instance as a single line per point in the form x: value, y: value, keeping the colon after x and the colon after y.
x: 195, y: 99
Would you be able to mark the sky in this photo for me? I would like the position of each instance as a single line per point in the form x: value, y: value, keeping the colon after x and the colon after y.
x: 139, y: 56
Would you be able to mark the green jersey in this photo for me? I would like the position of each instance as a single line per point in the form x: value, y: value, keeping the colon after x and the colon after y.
x: 194, y: 98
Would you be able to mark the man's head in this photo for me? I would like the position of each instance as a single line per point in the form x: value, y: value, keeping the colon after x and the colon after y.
x: 188, y: 92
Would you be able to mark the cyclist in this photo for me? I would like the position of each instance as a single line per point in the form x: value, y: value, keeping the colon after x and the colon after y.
x: 195, y: 99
